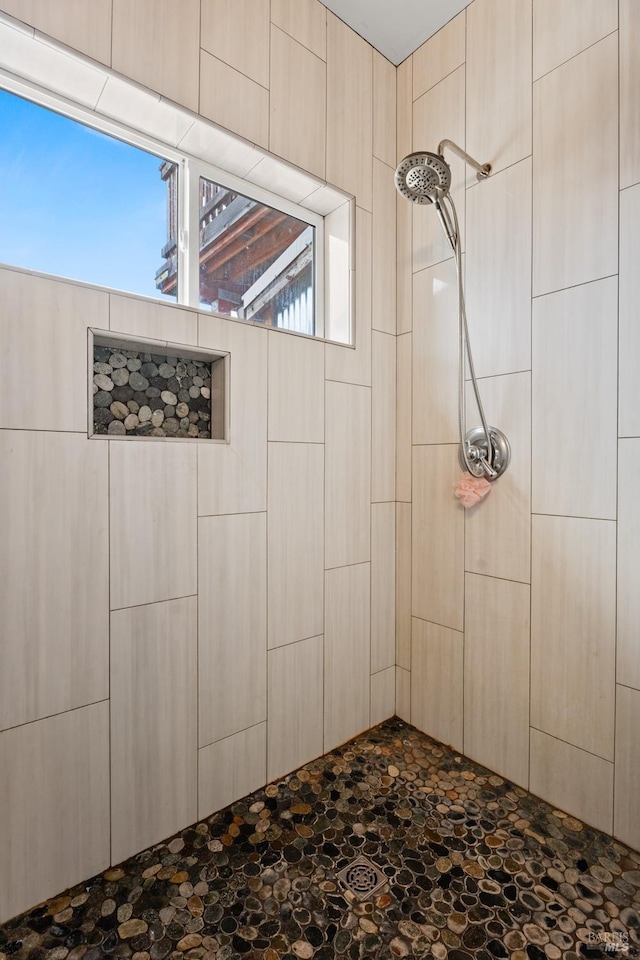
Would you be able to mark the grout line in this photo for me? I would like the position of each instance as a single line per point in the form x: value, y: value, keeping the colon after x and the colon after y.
x: 531, y: 255
x: 569, y: 744
x: 153, y: 603
x: 569, y: 516
x: 615, y: 598
x: 573, y: 286
x: 109, y: 474
x: 575, y: 56
x: 50, y: 716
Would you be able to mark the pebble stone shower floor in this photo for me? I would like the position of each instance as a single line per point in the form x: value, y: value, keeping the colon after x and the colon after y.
x: 475, y: 867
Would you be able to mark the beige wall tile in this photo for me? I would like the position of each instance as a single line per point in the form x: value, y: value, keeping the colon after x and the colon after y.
x: 383, y: 418
x: 403, y: 585
x: 498, y: 271
x: 54, y: 574
x: 403, y: 694
x: 297, y: 103
x: 154, y: 718
x: 384, y: 248
x: 626, y: 817
x: 436, y: 682
x: 629, y: 93
x: 233, y: 100
x: 347, y: 653
x: 404, y: 108
x: 499, y: 81
x: 628, y: 528
x: 439, y: 114
x: 572, y: 780
x: 43, y: 329
x: 156, y: 42
x: 54, y: 806
x: 347, y: 474
x: 85, y: 27
x: 153, y: 521
x: 383, y: 586
x: 305, y: 21
x: 232, y: 478
x: 404, y: 264
x: 296, y: 389
x: 629, y: 329
x: 294, y: 705
x: 384, y: 109
x: 575, y: 112
x: 439, y: 56
x: 343, y: 363
x: 573, y: 631
x: 237, y: 31
x: 403, y: 416
x: 232, y: 624
x: 383, y: 695
x: 435, y: 355
x: 349, y: 111
x: 498, y: 530
x: 496, y: 676
x: 231, y: 768
x: 560, y: 31
x: 437, y: 554
x: 574, y: 383
x: 156, y: 321
x: 295, y: 542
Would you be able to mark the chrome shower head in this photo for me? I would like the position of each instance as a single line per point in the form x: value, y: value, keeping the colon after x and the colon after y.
x: 423, y: 177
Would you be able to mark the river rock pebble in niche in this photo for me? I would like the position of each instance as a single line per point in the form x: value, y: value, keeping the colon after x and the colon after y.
x: 150, y: 395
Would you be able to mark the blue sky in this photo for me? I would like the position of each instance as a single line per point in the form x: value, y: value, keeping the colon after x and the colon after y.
x: 77, y: 203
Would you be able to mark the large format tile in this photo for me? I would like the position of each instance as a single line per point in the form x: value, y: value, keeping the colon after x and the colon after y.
x: 404, y: 109
x: 443, y: 53
x: 383, y: 418
x: 575, y: 135
x: 383, y: 695
x: 498, y: 271
x: 83, y: 26
x: 403, y: 416
x: 437, y: 115
x: 155, y: 321
x: 305, y: 21
x: 573, y: 597
x: 403, y: 585
x: 403, y: 694
x: 499, y: 81
x: 54, y: 805
x: 562, y: 30
x: 43, y: 330
x: 349, y: 111
x: 232, y: 477
x: 347, y: 474
x: 404, y: 265
x: 237, y: 31
x: 233, y: 100
x: 384, y: 248
x: 626, y: 816
x: 574, y: 400
x: 496, y: 676
x: 572, y: 780
x: 628, y: 529
x: 295, y: 542
x: 296, y: 388
x: 231, y: 768
x: 629, y: 93
x: 498, y: 529
x: 353, y: 365
x: 153, y: 518
x: 347, y: 653
x: 297, y: 109
x: 54, y: 574
x: 232, y: 624
x: 437, y: 537
x: 629, y: 329
x: 434, y: 417
x: 384, y: 110
x: 156, y: 42
x: 295, y: 705
x: 437, y: 682
x: 383, y: 586
x: 154, y: 718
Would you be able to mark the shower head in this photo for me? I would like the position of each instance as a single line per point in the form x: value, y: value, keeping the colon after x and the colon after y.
x: 423, y: 177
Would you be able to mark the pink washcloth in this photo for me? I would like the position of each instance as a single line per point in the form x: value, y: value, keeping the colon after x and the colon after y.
x: 471, y: 490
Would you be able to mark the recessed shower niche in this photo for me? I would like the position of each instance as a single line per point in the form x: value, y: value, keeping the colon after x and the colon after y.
x: 152, y: 389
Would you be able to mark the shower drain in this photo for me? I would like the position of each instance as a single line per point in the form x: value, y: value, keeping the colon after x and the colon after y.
x: 362, y: 877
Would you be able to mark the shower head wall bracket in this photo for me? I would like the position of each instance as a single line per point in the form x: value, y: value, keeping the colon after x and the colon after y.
x: 483, y: 169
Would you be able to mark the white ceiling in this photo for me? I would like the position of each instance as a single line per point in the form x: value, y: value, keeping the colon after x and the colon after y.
x: 396, y: 27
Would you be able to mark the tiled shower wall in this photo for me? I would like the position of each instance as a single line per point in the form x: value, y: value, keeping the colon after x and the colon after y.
x: 518, y: 622
x: 185, y: 621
